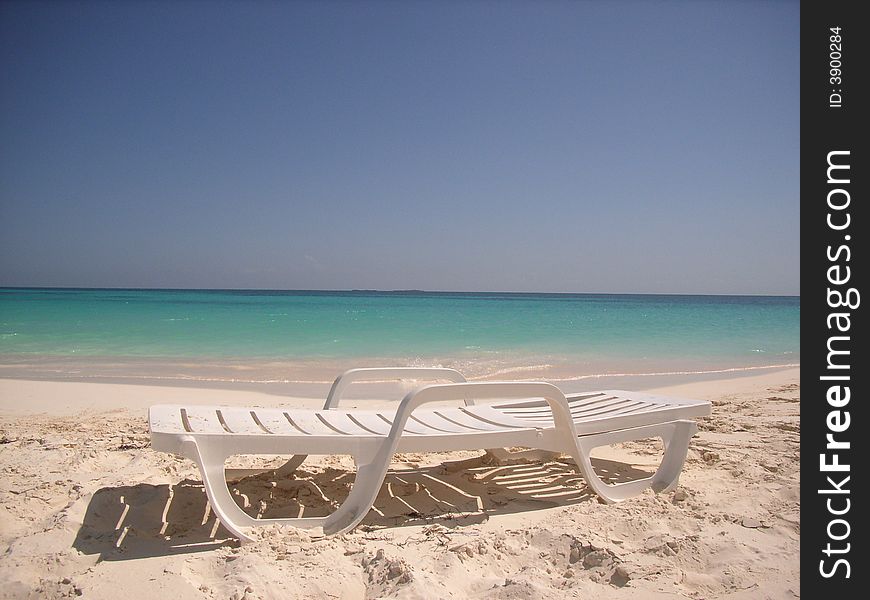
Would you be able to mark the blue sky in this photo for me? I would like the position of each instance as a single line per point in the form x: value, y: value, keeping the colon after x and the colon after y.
x: 563, y: 147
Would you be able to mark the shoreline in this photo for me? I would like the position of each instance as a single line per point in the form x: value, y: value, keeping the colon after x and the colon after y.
x: 311, y: 394
x: 308, y: 376
x: 65, y: 397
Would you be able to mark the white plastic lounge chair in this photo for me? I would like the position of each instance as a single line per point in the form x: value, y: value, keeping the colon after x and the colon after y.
x: 529, y: 414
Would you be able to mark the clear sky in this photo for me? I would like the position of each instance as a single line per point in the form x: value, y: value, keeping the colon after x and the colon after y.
x: 503, y: 146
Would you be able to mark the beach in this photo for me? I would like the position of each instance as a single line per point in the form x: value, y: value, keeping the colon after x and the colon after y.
x: 231, y: 208
x: 89, y: 509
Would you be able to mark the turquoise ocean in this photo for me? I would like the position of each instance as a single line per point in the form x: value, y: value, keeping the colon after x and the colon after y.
x: 301, y: 335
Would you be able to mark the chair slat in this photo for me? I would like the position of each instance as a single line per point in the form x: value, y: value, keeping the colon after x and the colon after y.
x: 307, y: 420
x: 340, y: 420
x: 276, y: 422
x: 411, y: 426
x: 615, y: 409
x: 239, y: 420
x: 204, y: 419
x: 591, y: 404
x: 371, y: 421
x: 463, y: 419
x: 495, y: 417
x: 167, y: 418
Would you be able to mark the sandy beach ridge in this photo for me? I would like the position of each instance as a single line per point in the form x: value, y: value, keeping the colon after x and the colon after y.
x: 88, y: 509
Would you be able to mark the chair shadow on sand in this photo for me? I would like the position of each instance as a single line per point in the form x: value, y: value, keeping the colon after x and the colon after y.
x: 130, y: 522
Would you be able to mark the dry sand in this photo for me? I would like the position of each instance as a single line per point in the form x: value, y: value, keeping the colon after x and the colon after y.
x: 88, y: 509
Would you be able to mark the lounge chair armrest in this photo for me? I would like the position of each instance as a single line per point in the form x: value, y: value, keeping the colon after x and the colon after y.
x: 489, y: 390
x: 386, y: 373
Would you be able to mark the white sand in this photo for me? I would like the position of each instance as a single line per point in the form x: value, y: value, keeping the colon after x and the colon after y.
x: 89, y: 509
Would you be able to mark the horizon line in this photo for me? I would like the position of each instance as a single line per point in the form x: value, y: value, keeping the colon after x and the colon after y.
x: 390, y: 291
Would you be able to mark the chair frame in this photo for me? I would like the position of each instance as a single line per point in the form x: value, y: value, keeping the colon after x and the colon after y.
x: 372, y: 454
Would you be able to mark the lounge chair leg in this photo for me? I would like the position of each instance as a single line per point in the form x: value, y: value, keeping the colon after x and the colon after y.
x: 675, y: 436
x: 367, y: 484
x: 667, y: 476
x: 211, y: 465
x: 290, y: 467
